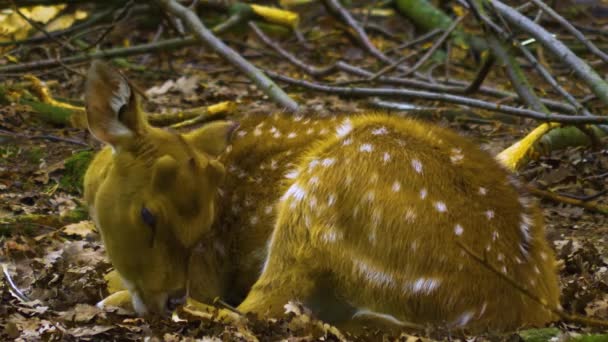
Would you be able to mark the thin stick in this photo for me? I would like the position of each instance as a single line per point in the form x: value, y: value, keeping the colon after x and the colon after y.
x: 482, y: 73
x: 435, y: 46
x: 423, y: 38
x: 570, y: 28
x: 409, y: 93
x: 356, y: 31
x: 589, y: 205
x: 460, y: 88
x: 579, y: 66
x: 14, y: 289
x: 110, y: 53
x: 208, y: 38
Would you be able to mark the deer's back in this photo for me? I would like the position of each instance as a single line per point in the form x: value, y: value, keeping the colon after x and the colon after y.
x: 388, y: 207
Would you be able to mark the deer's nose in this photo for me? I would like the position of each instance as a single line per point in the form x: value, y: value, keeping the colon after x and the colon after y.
x: 175, y: 299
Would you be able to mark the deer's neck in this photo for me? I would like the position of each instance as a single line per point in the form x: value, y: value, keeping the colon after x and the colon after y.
x: 261, y: 159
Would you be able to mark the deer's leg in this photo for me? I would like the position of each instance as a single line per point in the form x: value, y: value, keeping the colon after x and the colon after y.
x: 287, y: 274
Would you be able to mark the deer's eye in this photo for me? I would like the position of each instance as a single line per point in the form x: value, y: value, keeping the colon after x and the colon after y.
x: 148, y: 217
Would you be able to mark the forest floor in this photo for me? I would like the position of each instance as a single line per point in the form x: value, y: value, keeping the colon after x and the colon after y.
x: 56, y: 258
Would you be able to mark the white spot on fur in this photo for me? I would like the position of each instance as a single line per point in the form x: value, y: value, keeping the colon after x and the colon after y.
x: 332, y: 236
x: 543, y: 255
x: 490, y: 214
x: 331, y: 199
x: 254, y: 220
x: 410, y: 215
x: 310, y: 131
x: 241, y: 133
x: 268, y: 210
x: 386, y: 157
x: 463, y: 319
x: 456, y: 156
x: 370, y: 196
x: 483, y: 191
x: 327, y: 162
x: 313, y: 181
x: 500, y: 257
x: 396, y: 186
x: 293, y: 174
x: 495, y: 235
x: 374, y: 275
x: 292, y: 135
x: 423, y: 193
x: 380, y: 131
x: 347, y: 142
x: 458, y: 230
x: 417, y: 165
x: 441, y: 207
x: 312, y: 164
x: 424, y: 285
x: 504, y: 269
x: 344, y: 129
x: 294, y: 191
x: 366, y: 148
x: 536, y: 270
x: 312, y: 202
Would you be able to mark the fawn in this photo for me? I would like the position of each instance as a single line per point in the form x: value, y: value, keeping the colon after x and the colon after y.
x: 358, y: 217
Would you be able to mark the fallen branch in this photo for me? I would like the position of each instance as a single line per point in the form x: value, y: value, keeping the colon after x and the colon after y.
x: 168, y: 44
x: 593, y: 206
x: 356, y: 31
x: 579, y: 66
x: 570, y: 28
x: 459, y: 87
x: 425, y: 95
x: 208, y: 38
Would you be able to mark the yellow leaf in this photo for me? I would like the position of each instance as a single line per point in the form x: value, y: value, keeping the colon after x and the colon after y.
x: 65, y: 21
x: 276, y: 15
x: 43, y: 14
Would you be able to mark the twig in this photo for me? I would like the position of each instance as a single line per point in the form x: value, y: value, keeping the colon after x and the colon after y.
x: 516, y: 75
x: 110, y: 53
x: 589, y: 205
x: 121, y: 15
x: 482, y: 73
x: 579, y: 66
x: 208, y: 38
x: 423, y: 38
x: 435, y: 46
x: 460, y: 87
x: 425, y: 95
x: 13, y: 288
x: 356, y: 30
x: 314, y: 71
x: 570, y: 28
x: 44, y: 137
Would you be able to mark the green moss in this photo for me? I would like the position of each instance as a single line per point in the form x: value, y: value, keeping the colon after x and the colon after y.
x: 592, y: 338
x: 75, y: 168
x: 80, y: 213
x: 539, y: 335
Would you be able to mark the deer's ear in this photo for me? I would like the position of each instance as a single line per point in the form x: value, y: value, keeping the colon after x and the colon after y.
x: 113, y: 113
x: 214, y: 137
